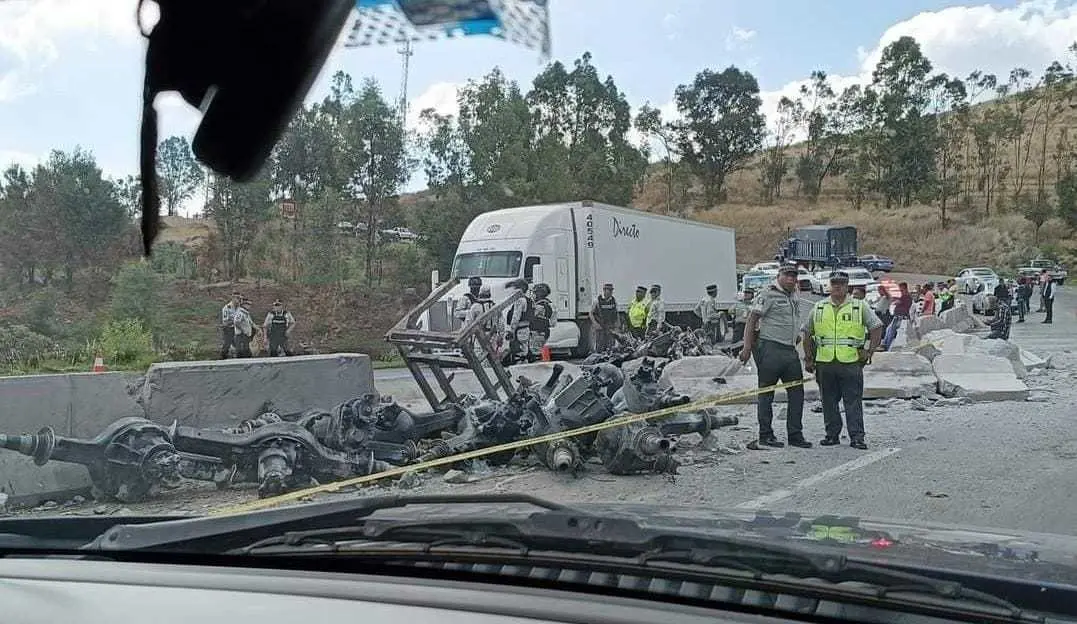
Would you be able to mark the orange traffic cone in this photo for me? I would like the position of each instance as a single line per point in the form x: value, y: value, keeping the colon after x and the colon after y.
x: 545, y: 353
x: 99, y: 364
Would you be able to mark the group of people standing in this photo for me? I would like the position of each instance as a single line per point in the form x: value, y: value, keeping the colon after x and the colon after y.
x: 837, y: 340
x: 520, y: 335
x: 238, y: 329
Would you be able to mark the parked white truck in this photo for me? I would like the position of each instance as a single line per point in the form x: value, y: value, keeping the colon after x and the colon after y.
x: 576, y: 247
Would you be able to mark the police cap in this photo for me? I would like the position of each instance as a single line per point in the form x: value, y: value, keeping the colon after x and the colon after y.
x: 712, y: 287
x: 788, y: 268
x: 839, y: 277
x: 607, y: 286
x: 641, y: 289
x: 277, y: 302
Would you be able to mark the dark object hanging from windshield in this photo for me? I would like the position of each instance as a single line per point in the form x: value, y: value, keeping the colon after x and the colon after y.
x: 247, y: 64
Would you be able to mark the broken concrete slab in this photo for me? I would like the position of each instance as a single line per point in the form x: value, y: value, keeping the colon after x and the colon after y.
x: 979, y: 377
x: 694, y: 376
x: 1031, y: 361
x: 1063, y: 360
x: 898, y: 375
x: 953, y: 343
x: 224, y: 392
x: 1003, y: 349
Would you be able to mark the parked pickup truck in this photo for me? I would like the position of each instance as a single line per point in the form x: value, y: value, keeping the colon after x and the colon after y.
x: 1055, y: 270
x: 399, y: 234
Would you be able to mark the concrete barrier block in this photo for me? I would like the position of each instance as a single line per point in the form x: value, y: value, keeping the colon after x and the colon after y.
x: 898, y: 375
x: 76, y: 405
x: 979, y: 377
x: 220, y: 393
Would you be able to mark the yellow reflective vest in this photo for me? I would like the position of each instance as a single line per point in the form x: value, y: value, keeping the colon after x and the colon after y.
x: 637, y: 312
x: 838, y: 332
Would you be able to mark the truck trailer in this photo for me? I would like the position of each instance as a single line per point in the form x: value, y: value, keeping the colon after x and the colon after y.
x: 575, y: 247
x: 819, y: 246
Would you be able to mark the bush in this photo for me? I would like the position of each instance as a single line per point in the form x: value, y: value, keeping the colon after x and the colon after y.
x: 41, y: 314
x: 127, y: 343
x: 20, y: 345
x: 135, y: 291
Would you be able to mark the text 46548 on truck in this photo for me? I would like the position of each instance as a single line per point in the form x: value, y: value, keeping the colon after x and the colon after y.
x: 575, y: 247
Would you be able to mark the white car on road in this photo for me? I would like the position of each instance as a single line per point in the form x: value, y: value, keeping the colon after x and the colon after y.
x: 857, y: 277
x: 968, y: 280
x: 770, y: 268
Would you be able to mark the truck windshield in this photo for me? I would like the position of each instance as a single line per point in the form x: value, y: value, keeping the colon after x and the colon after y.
x: 488, y: 264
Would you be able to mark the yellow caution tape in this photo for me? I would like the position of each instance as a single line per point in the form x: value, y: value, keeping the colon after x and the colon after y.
x: 620, y: 421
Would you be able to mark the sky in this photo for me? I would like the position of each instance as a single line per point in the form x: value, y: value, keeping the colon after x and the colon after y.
x: 71, y: 70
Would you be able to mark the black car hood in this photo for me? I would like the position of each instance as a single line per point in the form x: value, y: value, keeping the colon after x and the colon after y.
x: 1044, y: 557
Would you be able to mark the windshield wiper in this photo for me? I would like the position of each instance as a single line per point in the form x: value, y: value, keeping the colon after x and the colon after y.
x: 221, y: 533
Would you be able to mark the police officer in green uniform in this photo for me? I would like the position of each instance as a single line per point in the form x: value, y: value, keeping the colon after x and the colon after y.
x: 637, y: 313
x: 840, y: 335
x: 277, y: 328
x: 770, y: 337
x: 740, y: 314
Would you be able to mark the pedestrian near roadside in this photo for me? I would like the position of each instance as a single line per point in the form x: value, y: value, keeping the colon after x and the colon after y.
x: 1024, y: 295
x: 244, y: 326
x: 518, y: 328
x: 882, y: 306
x: 1049, y: 300
x: 710, y: 315
x: 227, y: 324
x: 1045, y: 279
x: 840, y: 336
x: 1000, y: 324
x: 656, y: 311
x: 928, y: 297
x: 276, y: 330
x: 770, y: 336
x: 902, y: 312
x: 604, y: 319
x: 740, y: 314
x: 637, y: 313
x: 542, y: 321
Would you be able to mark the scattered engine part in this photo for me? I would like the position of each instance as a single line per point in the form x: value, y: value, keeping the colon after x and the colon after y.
x: 489, y: 423
x: 636, y: 448
x: 642, y: 392
x: 251, y: 424
x: 351, y: 427
x: 397, y: 424
x: 605, y: 376
x: 128, y: 461
x: 278, y: 456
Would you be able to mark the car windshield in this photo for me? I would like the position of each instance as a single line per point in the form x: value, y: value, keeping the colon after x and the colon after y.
x: 306, y: 325
x: 488, y: 264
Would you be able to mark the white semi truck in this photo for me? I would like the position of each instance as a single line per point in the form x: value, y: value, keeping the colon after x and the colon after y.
x: 575, y: 247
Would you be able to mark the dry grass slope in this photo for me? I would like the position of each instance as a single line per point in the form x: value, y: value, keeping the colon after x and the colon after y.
x: 913, y: 236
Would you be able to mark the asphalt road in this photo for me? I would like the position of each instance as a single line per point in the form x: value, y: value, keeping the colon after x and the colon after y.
x: 1007, y: 465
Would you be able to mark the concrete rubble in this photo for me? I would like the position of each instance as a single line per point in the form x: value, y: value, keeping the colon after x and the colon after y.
x: 898, y: 375
x: 978, y: 377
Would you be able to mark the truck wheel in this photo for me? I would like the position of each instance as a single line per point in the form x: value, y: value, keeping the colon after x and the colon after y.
x: 583, y: 348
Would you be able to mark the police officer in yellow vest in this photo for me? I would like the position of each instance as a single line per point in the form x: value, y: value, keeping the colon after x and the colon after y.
x: 840, y: 335
x: 637, y: 313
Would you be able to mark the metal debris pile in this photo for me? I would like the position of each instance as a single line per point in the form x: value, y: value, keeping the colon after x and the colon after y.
x: 134, y: 458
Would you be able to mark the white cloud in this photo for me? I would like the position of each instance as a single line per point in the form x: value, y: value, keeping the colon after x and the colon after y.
x: 959, y: 40
x: 440, y: 96
x: 671, y: 25
x: 33, y: 33
x: 14, y: 157
x: 738, y: 37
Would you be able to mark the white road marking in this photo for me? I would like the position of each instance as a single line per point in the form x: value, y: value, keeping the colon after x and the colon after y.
x: 826, y: 475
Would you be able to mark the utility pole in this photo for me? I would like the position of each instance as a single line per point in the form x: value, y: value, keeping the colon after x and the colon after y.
x: 405, y: 53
